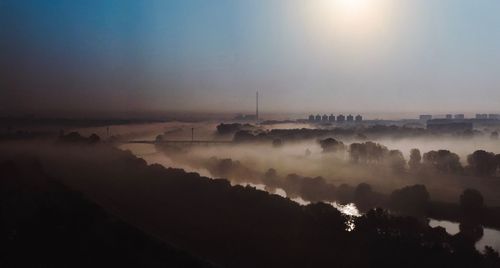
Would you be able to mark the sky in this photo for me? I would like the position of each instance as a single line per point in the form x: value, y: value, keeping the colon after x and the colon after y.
x: 327, y: 56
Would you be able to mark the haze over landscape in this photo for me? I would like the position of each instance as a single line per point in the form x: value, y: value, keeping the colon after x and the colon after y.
x: 262, y: 133
x: 305, y: 56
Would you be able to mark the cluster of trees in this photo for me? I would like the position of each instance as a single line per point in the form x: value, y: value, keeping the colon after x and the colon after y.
x: 480, y: 162
x: 330, y: 145
x: 10, y: 135
x: 411, y: 200
x: 75, y: 137
x: 414, y: 200
x: 231, y: 226
x: 366, y: 153
x: 226, y: 129
x: 247, y: 133
x: 45, y: 224
x: 442, y: 161
x: 311, y: 189
x: 484, y: 163
x: 229, y: 168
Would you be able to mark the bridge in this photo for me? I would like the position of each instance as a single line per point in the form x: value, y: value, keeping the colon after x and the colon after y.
x: 179, y: 142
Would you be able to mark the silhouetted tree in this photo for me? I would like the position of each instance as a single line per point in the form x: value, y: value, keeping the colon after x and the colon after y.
x: 316, y: 190
x: 361, y: 137
x: 471, y: 203
x: 443, y: 161
x: 331, y: 145
x: 482, y: 163
x: 494, y: 135
x: 345, y: 193
x: 368, y: 152
x: 415, y: 159
x: 491, y: 257
x: 277, y: 143
x: 271, y: 180
x: 94, y: 138
x: 159, y: 138
x: 396, y: 161
x: 225, y: 129
x: 497, y: 160
x: 75, y: 137
x: 471, y: 206
x: 412, y: 200
x: 363, y: 195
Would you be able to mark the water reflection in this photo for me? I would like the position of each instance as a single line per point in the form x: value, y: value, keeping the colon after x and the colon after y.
x: 491, y: 237
x: 350, y: 210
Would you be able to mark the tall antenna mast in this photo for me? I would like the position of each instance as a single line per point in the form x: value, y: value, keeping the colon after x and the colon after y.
x: 257, y: 106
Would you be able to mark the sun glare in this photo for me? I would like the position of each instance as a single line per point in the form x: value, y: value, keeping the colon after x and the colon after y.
x: 351, y: 7
x: 351, y: 17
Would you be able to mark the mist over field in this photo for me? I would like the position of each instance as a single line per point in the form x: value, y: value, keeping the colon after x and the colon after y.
x: 250, y: 133
x: 251, y: 161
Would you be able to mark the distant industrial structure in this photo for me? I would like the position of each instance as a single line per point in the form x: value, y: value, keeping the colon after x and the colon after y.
x: 488, y: 116
x: 250, y: 117
x: 449, y: 125
x: 425, y: 117
x: 459, y: 123
x: 341, y: 118
x: 332, y: 118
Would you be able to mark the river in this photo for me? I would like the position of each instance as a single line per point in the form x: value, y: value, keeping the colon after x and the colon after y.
x: 491, y: 237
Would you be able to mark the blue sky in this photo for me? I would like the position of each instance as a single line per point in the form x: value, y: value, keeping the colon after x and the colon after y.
x: 124, y: 55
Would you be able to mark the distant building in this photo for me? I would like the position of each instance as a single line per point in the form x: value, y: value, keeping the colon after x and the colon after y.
x: 494, y: 116
x: 425, y: 117
x: 340, y: 118
x: 331, y: 118
x: 311, y: 118
x: 449, y: 116
x: 350, y: 118
x: 459, y: 116
x: 318, y: 118
x: 359, y: 118
x: 324, y: 118
x: 481, y: 116
x: 446, y: 125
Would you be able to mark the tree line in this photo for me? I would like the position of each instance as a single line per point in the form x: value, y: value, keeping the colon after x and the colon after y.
x: 480, y: 162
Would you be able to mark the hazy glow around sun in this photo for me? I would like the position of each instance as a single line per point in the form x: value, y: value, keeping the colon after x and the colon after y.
x: 351, y: 6
x: 351, y: 17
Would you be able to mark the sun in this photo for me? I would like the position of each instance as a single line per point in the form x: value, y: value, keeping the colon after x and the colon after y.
x: 351, y: 7
x: 351, y: 17
x: 352, y: 11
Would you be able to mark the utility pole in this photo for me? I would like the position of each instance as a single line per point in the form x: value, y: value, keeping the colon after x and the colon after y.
x: 192, y: 135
